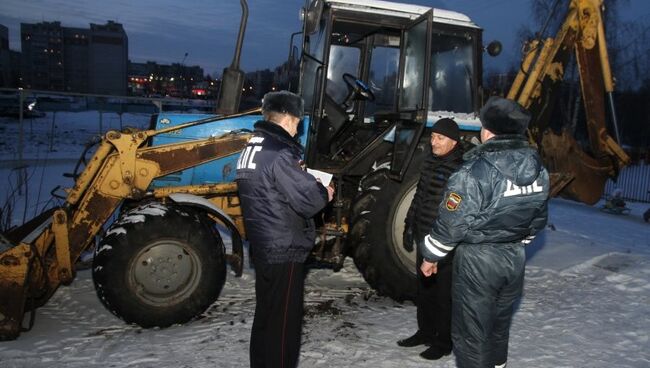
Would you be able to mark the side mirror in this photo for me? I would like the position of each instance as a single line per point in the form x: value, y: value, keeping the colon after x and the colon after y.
x: 494, y: 48
x: 311, y: 16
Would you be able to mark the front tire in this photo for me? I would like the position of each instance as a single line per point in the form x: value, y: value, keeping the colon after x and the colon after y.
x: 377, y: 225
x: 159, y: 265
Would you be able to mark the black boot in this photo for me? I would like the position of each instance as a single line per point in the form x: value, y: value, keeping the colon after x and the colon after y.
x: 417, y: 339
x: 434, y: 353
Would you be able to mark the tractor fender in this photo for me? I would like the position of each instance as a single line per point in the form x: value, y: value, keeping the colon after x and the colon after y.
x: 236, y: 259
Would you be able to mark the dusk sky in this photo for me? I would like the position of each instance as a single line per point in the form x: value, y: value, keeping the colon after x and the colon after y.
x: 164, y: 30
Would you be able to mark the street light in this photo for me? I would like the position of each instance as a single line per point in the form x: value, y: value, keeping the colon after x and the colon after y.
x: 182, y: 73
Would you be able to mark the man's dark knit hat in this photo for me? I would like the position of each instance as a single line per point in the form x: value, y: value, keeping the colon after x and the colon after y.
x: 447, y: 127
x: 503, y: 116
x: 283, y: 102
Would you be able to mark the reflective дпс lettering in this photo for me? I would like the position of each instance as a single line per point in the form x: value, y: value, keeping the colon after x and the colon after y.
x: 512, y: 189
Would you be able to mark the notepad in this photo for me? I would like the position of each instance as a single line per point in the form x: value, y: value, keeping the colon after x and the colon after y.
x: 325, y: 178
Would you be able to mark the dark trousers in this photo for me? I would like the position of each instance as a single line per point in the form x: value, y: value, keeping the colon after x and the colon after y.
x: 488, y: 280
x: 433, y: 302
x: 275, y: 336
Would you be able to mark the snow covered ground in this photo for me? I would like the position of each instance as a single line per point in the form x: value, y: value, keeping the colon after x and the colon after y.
x: 586, y: 303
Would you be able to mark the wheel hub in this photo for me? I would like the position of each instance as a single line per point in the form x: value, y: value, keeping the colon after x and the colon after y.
x: 165, y: 271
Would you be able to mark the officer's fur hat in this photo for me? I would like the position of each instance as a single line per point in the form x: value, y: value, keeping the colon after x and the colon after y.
x: 283, y: 102
x: 503, y: 116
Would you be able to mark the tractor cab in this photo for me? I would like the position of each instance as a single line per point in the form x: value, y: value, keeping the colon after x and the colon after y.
x: 375, y: 73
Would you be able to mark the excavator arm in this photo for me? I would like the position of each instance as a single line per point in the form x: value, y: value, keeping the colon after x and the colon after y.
x: 577, y: 172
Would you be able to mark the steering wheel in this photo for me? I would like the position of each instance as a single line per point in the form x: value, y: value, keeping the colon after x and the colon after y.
x: 357, y: 90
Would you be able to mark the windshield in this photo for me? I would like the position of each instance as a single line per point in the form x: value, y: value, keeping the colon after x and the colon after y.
x: 382, y: 78
x: 452, y: 71
x: 342, y: 60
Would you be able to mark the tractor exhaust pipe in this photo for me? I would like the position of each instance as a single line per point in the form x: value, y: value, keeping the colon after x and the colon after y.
x: 232, y: 80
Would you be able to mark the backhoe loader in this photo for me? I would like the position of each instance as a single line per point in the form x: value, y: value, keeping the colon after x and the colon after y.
x: 375, y: 76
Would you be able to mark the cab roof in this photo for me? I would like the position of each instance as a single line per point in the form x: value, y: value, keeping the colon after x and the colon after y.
x: 410, y: 11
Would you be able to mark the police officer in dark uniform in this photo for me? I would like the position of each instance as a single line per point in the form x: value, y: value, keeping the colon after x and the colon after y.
x: 495, y: 204
x: 433, y: 300
x: 278, y: 200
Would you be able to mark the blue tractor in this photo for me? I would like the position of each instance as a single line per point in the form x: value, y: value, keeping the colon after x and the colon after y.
x: 374, y: 76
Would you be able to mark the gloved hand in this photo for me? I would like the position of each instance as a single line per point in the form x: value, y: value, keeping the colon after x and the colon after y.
x: 407, y: 238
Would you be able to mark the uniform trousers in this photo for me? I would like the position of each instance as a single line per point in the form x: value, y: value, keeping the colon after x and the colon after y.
x: 277, y: 326
x: 488, y: 281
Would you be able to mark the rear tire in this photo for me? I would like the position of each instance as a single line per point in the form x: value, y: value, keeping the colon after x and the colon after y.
x: 159, y: 265
x: 377, y: 224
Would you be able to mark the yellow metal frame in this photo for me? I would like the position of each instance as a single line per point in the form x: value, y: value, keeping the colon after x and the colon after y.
x: 121, y: 168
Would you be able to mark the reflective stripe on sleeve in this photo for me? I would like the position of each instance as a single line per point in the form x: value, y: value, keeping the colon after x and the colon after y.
x: 528, y: 240
x: 436, y: 247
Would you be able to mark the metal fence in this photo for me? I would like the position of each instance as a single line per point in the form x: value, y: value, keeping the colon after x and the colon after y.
x: 25, y: 105
x: 634, y: 182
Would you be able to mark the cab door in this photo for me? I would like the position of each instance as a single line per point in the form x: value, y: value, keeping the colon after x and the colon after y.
x: 413, y: 92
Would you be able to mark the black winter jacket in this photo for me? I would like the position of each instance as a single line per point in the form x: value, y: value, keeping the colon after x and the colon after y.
x: 278, y: 197
x: 499, y: 195
x: 434, y: 174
